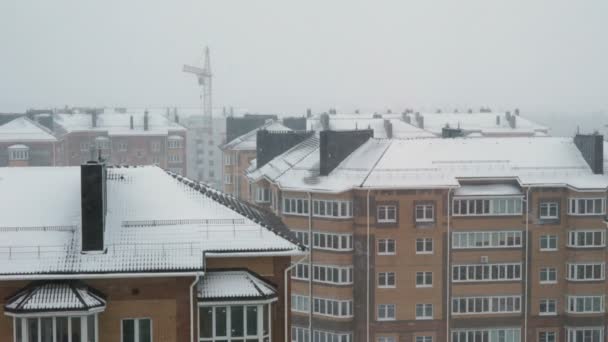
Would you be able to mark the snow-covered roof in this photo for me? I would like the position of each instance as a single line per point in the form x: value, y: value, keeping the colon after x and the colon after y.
x: 23, y: 129
x: 234, y: 285
x: 425, y: 163
x: 342, y: 122
x: 118, y: 123
x: 55, y: 296
x: 155, y: 222
x: 488, y: 190
x: 483, y: 123
x: 248, y: 141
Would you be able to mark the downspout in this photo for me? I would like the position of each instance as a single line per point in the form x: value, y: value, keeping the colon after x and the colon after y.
x: 287, y: 294
x: 196, y: 279
x: 448, y: 272
x: 527, y: 251
x: 237, y: 180
x: 367, y: 295
x: 310, y: 248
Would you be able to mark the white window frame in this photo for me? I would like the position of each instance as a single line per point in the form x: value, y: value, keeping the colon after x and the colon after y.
x: 424, y: 242
x: 487, y: 239
x: 574, y: 301
x: 425, y: 338
x: 487, y: 274
x: 136, y: 321
x: 576, y: 209
x: 386, y: 339
x: 228, y: 178
x: 300, y: 334
x: 172, y: 158
x: 175, y: 143
x: 547, y: 271
x: 573, y: 238
x: 548, y: 239
x: 155, y: 146
x: 332, y: 308
x: 123, y: 146
x: 300, y: 303
x: 384, y: 280
x: 547, y: 303
x: 262, y: 194
x: 327, y: 208
x: 426, y: 310
x: 482, y: 305
x: 386, y: 243
x: 573, y: 269
x: 548, y: 206
x: 423, y: 207
x: 299, y: 204
x: 547, y: 336
x: 18, y: 153
x: 83, y: 326
x: 384, y: 312
x: 384, y: 213
x: 488, y: 206
x: 260, y: 322
x: 423, y: 275
x: 588, y: 334
x: 227, y: 159
x: 489, y: 334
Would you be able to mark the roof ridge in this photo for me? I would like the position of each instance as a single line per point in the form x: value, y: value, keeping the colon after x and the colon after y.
x: 371, y: 169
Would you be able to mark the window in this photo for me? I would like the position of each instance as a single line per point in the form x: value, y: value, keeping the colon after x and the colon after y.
x: 227, y: 159
x: 18, y: 152
x: 60, y: 328
x: 548, y: 275
x: 424, y: 279
x: 548, y: 243
x: 585, y: 304
x: 154, y: 146
x: 386, y: 279
x: 339, y: 275
x: 332, y: 241
x: 332, y: 307
x: 301, y: 334
x: 586, y: 206
x: 547, y: 307
x: 228, y: 179
x: 84, y: 147
x: 586, y: 238
x: 173, y: 158
x: 295, y: 206
x: 302, y: 236
x: 122, y: 146
x: 586, y: 272
x: 424, y: 246
x: 549, y: 210
x: 484, y: 305
x: 386, y: 339
x: 493, y: 239
x: 486, y: 335
x: 424, y: 338
x: 137, y: 330
x: 102, y: 143
x: 300, y: 303
x: 588, y: 334
x: 424, y: 311
x: 155, y: 160
x: 487, y: 207
x: 386, y: 247
x: 486, y: 272
x: 300, y: 272
x: 386, y: 312
x: 332, y: 208
x: 175, y: 142
x: 234, y: 322
x: 546, y: 336
x: 262, y: 195
x: 425, y: 212
x: 387, y: 213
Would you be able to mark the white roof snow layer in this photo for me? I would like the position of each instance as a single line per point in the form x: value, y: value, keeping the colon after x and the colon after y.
x: 248, y: 141
x: 118, y: 124
x: 154, y: 223
x: 55, y: 296
x: 233, y: 284
x: 23, y: 129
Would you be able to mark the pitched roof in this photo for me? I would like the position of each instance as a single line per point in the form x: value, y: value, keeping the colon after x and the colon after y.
x: 156, y: 222
x: 118, y: 123
x: 23, y: 129
x: 63, y: 296
x: 424, y: 163
x: 341, y: 122
x: 248, y: 140
x: 233, y: 285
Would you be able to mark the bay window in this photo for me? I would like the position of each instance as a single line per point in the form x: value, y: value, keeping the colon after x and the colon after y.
x: 586, y: 206
x: 56, y: 328
x: 237, y: 323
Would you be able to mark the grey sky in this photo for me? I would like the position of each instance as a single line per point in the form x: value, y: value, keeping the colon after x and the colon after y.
x: 278, y: 55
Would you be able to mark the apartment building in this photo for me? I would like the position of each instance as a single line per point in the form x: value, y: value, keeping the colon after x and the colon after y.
x: 204, y: 156
x: 137, y: 137
x: 24, y: 142
x: 461, y: 240
x: 137, y: 254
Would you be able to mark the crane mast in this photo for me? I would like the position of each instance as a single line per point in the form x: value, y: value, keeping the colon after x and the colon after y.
x: 204, y: 77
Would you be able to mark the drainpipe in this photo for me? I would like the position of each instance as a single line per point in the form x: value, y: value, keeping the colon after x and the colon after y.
x: 367, y: 273
x: 286, y: 276
x: 237, y: 178
x: 310, y: 248
x: 196, y: 279
x: 527, y: 264
x: 448, y: 272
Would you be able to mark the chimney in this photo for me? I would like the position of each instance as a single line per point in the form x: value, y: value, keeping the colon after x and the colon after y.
x: 420, y: 121
x: 497, y: 120
x: 407, y: 118
x: 512, y: 121
x: 295, y: 123
x: 176, y: 118
x: 447, y: 132
x: 335, y: 146
x: 516, y: 111
x: 94, y: 118
x: 308, y: 113
x: 146, y: 120
x: 271, y: 144
x: 592, y: 149
x: 324, y: 121
x: 93, y: 206
x: 131, y: 122
x: 388, y: 127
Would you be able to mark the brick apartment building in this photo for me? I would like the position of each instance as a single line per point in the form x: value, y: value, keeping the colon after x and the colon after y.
x: 24, y: 142
x: 136, y: 254
x: 123, y: 137
x: 461, y: 240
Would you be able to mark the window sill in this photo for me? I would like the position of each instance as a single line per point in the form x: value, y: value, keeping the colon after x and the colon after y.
x: 424, y: 253
x: 387, y: 254
x: 385, y: 319
x: 424, y: 318
x: 548, y: 249
x: 385, y: 287
x: 424, y: 286
x: 547, y: 313
x: 548, y: 282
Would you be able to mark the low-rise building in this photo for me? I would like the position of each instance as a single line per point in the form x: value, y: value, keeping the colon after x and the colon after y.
x: 462, y: 240
x: 136, y: 254
x: 24, y: 142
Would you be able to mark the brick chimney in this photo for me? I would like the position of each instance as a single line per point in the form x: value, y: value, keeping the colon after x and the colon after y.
x: 388, y: 128
x: 131, y: 122
x: 93, y: 206
x: 335, y: 146
x: 591, y: 147
x: 94, y: 118
x: 146, y: 120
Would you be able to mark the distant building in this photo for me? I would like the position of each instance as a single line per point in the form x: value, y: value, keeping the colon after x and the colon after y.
x: 121, y: 137
x: 204, y: 155
x: 137, y: 254
x: 24, y: 142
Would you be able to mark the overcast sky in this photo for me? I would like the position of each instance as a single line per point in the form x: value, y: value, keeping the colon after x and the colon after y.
x: 285, y: 56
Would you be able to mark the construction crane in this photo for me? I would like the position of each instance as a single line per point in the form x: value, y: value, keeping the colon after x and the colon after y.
x: 204, y: 80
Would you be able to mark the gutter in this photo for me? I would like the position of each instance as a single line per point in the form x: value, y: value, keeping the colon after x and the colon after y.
x: 98, y: 275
